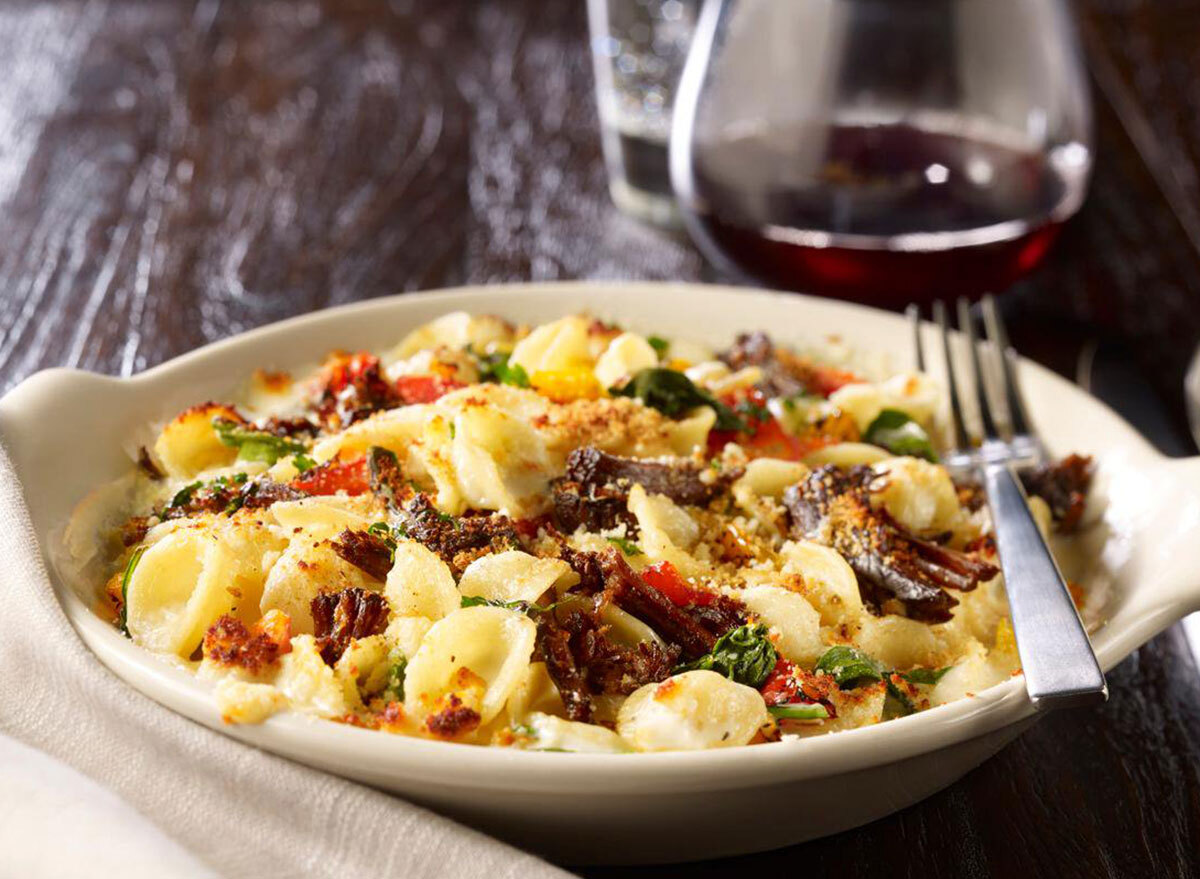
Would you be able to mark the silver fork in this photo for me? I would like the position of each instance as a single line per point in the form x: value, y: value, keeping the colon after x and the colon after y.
x: 1060, y: 668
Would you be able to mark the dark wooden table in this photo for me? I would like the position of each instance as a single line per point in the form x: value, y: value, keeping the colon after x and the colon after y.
x: 175, y: 172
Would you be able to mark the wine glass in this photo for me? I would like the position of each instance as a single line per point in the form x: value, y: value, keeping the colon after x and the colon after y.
x: 881, y: 150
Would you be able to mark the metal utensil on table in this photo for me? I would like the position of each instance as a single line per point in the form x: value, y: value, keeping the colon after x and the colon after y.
x: 1056, y: 656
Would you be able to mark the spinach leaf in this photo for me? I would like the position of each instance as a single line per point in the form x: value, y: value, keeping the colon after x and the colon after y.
x: 928, y: 676
x: 388, y: 534
x: 799, y: 711
x: 900, y: 435
x: 526, y: 607
x: 849, y: 667
x: 184, y: 495
x: 123, y: 616
x: 255, y: 445
x: 396, y: 672
x: 896, y: 703
x: 660, y: 346
x: 744, y: 655
x: 626, y: 546
x: 496, y: 368
x: 852, y: 668
x: 672, y: 393
x: 303, y: 463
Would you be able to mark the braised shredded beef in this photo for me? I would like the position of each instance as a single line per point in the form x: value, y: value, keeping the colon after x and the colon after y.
x: 632, y: 594
x: 620, y: 669
x: 832, y: 506
x: 784, y: 374
x: 583, y: 661
x: 594, y: 492
x: 365, y: 551
x: 679, y: 480
x: 554, y: 647
x: 596, y: 508
x: 354, y: 389
x: 228, y: 497
x: 453, y: 720
x: 339, y: 617
x: 229, y: 642
x: 300, y: 426
x: 387, y: 477
x: 587, y: 566
x: 458, y: 541
x: 1063, y: 485
x: 265, y: 492
x: 134, y: 530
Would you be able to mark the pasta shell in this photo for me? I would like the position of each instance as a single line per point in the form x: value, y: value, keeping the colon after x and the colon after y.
x: 692, y: 711
x: 494, y: 644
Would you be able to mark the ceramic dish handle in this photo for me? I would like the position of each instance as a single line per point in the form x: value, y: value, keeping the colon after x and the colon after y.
x: 1159, y: 505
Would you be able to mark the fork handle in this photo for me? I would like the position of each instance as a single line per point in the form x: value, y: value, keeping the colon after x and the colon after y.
x: 1060, y: 668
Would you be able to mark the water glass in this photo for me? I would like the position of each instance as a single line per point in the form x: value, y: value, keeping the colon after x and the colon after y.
x: 639, y: 48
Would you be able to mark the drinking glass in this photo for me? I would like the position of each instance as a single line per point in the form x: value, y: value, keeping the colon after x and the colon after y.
x: 881, y: 150
x: 639, y: 47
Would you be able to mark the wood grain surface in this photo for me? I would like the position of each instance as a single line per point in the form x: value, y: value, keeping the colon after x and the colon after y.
x: 173, y: 172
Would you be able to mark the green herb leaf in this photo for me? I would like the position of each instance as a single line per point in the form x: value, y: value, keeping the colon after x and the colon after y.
x: 673, y: 394
x: 660, y: 346
x: 303, y: 463
x: 239, y: 500
x: 799, y: 711
x: 184, y: 495
x: 849, y: 667
x: 123, y: 617
x: 396, y: 673
x: 388, y: 535
x: 255, y: 445
x: 527, y: 607
x: 900, y: 435
x: 626, y: 546
x: 927, y: 676
x: 896, y: 703
x: 744, y: 655
x: 495, y: 367
x: 753, y: 411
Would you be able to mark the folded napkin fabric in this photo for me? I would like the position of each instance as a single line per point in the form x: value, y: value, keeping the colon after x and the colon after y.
x: 220, y: 807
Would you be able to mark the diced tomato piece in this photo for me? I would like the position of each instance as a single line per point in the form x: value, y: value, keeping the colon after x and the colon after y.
x: 781, y: 686
x: 347, y: 368
x: 352, y: 477
x: 666, y: 579
x: 824, y: 380
x: 424, y: 388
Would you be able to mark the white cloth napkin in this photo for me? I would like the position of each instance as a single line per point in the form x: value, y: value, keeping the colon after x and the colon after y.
x: 181, y: 800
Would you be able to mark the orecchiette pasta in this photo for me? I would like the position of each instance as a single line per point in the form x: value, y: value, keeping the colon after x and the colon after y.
x: 515, y: 576
x: 420, y: 584
x: 493, y: 644
x: 574, y: 536
x: 690, y: 712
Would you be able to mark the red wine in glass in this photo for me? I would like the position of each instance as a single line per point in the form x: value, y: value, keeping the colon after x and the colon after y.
x: 882, y: 213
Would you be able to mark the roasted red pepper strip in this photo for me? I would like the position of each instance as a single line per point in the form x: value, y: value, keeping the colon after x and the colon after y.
x: 351, y: 477
x: 663, y: 577
x: 424, y: 388
x: 765, y: 437
x: 824, y: 380
x: 788, y: 685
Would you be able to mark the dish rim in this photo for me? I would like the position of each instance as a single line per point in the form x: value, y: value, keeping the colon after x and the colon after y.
x: 405, y: 757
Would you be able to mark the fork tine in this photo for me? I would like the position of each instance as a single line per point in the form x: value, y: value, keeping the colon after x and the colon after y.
x: 914, y: 318
x: 985, y: 407
x: 1017, y: 413
x: 961, y: 440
